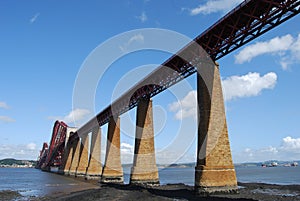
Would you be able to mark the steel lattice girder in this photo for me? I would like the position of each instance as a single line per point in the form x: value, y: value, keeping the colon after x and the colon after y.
x: 246, y: 22
x: 58, y: 138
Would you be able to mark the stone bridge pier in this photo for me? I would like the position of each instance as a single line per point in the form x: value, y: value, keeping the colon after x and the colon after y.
x: 144, y: 170
x: 94, y: 168
x: 112, y: 170
x: 214, y: 172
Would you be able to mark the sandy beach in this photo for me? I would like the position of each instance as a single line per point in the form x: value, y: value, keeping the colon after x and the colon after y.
x: 107, y: 192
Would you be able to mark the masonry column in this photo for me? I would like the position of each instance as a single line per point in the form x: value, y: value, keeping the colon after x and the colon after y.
x: 94, y: 169
x: 112, y: 171
x: 214, y: 172
x: 83, y: 157
x: 75, y: 158
x: 71, y: 153
x: 144, y: 170
x: 65, y: 159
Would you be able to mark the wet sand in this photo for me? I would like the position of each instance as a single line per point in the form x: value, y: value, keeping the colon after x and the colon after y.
x: 247, y: 192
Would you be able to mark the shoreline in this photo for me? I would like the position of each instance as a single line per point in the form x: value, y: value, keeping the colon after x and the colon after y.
x: 107, y: 192
x: 247, y: 192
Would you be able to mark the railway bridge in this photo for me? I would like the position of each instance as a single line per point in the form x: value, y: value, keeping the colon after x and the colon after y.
x: 74, y: 154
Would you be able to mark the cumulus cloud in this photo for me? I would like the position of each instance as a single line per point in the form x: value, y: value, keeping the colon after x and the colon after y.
x: 274, y: 45
x: 214, y: 6
x: 126, y: 148
x: 234, y: 87
x: 289, y: 150
x: 248, y: 85
x: 290, y: 144
x: 22, y: 151
x: 127, y: 153
x: 34, y: 18
x: 287, y: 48
x: 75, y: 115
x: 31, y: 146
x: 6, y: 119
x: 186, y: 107
x: 143, y: 17
x: 138, y: 38
x: 4, y: 105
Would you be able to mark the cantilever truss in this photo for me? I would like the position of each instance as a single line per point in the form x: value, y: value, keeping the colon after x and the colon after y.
x: 243, y: 24
x: 56, y: 147
x: 246, y: 22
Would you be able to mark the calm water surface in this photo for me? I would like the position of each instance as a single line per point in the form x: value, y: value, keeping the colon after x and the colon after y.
x: 272, y: 175
x: 33, y: 182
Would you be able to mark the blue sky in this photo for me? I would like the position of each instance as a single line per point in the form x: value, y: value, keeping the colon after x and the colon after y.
x: 44, y: 45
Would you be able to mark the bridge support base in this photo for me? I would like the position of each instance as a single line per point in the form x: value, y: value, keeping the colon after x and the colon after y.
x: 65, y: 169
x: 83, y: 157
x: 116, y: 179
x: 112, y: 171
x: 144, y: 171
x: 94, y: 168
x: 220, y: 180
x: 214, y: 171
x: 75, y: 157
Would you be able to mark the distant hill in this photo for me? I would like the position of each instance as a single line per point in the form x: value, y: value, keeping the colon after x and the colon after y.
x: 12, y: 161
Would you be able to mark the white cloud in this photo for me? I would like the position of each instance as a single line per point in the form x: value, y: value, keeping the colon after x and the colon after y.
x: 143, y: 17
x: 34, y: 18
x: 75, y: 115
x: 127, y: 153
x: 138, y: 38
x: 287, y: 48
x: 275, y: 45
x: 214, y: 6
x: 291, y: 145
x: 4, y: 105
x: 186, y: 107
x: 289, y: 150
x: 247, y: 85
x: 6, y: 119
x: 31, y: 146
x: 126, y: 148
x: 22, y: 151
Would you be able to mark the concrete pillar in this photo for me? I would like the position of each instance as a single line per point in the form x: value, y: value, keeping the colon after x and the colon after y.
x: 94, y: 169
x: 112, y: 170
x: 83, y: 156
x: 214, y: 172
x: 75, y: 158
x: 66, y: 160
x: 71, y: 153
x: 144, y: 170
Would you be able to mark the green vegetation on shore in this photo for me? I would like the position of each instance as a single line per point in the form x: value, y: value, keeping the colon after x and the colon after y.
x: 10, y: 162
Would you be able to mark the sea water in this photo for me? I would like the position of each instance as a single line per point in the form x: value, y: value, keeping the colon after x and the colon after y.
x: 253, y: 174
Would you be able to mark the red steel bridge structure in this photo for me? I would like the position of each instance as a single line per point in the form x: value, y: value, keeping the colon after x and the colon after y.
x: 247, y: 21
